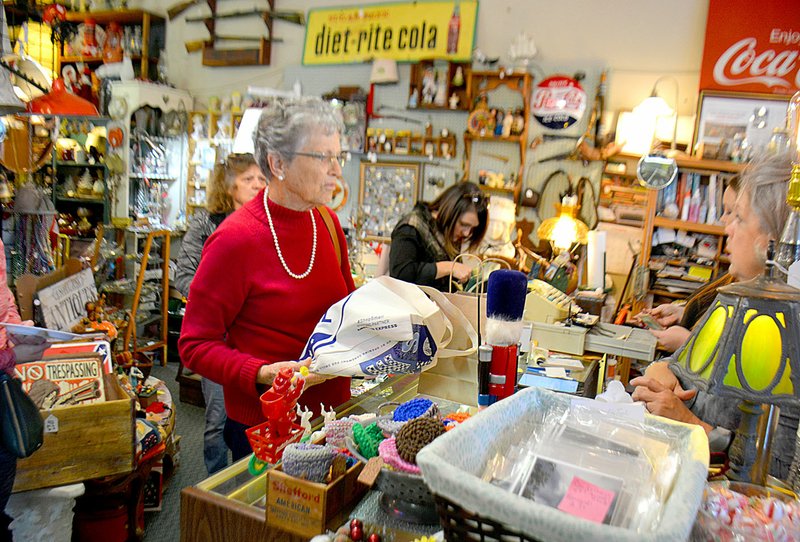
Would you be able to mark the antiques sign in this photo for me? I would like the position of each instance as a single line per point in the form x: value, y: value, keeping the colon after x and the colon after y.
x: 405, y: 31
x: 752, y: 47
x: 63, y: 303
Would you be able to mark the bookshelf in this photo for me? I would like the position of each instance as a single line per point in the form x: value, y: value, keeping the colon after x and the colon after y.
x: 691, y: 172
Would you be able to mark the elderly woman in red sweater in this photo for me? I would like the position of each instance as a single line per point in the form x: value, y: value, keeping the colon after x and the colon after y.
x: 270, y: 271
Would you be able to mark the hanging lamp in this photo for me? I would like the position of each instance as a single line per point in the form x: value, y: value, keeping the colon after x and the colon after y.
x: 60, y: 102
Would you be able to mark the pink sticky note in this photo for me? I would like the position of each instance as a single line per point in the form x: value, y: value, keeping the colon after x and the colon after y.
x: 586, y: 500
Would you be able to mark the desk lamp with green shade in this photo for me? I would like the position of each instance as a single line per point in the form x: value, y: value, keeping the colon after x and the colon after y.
x: 747, y: 347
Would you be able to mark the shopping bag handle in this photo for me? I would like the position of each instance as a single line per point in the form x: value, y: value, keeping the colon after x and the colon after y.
x: 456, y: 318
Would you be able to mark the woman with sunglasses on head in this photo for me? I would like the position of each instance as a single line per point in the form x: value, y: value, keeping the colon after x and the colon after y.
x: 233, y: 183
x: 426, y: 241
x: 271, y: 270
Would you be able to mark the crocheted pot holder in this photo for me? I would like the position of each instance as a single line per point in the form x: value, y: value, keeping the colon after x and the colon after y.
x: 367, y: 438
x: 415, y: 435
x: 309, y: 461
x: 337, y: 430
x: 388, y: 452
x: 414, y: 409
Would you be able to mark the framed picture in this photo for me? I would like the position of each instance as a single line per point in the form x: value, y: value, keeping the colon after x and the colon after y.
x: 736, y: 125
x: 387, y: 192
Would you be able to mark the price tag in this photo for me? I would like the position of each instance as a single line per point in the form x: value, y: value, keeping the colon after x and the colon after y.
x: 370, y: 472
x: 586, y: 500
x: 51, y: 424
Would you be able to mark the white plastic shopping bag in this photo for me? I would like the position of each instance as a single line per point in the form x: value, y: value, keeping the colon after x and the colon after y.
x: 386, y: 326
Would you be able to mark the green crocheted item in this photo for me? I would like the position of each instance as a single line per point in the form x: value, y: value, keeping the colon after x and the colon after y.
x: 367, y: 439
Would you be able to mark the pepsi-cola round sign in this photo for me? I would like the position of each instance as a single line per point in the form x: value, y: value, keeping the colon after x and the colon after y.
x: 558, y: 102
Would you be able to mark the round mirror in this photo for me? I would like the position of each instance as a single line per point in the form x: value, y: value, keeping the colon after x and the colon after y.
x: 656, y: 171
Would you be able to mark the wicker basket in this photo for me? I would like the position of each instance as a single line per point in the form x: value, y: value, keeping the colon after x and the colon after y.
x: 472, y: 509
x: 458, y: 524
x: 405, y: 496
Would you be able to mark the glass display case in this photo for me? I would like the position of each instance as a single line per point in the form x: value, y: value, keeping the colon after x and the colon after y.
x: 230, y: 505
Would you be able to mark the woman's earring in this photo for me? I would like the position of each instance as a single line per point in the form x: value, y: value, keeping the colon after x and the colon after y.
x: 280, y: 177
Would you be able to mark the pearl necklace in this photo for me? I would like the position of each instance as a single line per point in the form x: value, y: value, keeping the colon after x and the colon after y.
x: 278, y: 246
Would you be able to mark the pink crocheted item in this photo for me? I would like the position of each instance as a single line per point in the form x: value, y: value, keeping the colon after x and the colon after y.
x: 337, y: 430
x: 388, y: 452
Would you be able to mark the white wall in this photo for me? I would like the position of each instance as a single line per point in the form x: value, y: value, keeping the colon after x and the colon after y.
x: 638, y: 40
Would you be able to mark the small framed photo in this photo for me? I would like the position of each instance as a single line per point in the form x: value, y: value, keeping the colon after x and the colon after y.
x: 573, y: 489
x: 387, y: 192
x: 736, y: 125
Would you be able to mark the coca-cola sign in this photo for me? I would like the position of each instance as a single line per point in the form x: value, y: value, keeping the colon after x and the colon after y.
x: 752, y: 47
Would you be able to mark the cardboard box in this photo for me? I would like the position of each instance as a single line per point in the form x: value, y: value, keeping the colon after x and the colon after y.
x: 308, y: 508
x: 92, y: 441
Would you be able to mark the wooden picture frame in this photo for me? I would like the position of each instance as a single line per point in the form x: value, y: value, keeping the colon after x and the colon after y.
x: 387, y: 191
x: 725, y: 119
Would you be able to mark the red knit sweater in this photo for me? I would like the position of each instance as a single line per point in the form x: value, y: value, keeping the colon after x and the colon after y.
x: 245, y: 311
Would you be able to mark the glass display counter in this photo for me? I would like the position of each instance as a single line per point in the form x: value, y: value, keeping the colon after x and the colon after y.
x: 230, y: 504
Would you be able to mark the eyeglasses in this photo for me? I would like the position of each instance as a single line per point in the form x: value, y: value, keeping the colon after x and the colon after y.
x: 342, y: 158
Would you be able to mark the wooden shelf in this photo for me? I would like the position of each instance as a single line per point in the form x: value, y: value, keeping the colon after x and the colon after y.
x: 120, y: 16
x: 507, y: 139
x: 100, y: 201
x: 97, y: 59
x: 702, y: 165
x: 708, y: 229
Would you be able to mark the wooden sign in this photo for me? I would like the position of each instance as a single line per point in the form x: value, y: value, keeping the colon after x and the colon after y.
x: 63, y: 303
x: 63, y: 382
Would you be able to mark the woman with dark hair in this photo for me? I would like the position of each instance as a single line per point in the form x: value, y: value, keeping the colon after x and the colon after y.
x: 233, y: 183
x: 425, y: 242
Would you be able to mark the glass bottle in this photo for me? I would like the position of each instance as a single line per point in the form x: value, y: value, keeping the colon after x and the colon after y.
x: 789, y: 247
x: 793, y: 125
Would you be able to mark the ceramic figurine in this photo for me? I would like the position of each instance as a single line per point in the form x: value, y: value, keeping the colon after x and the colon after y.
x: 453, y: 101
x: 441, y: 92
x: 498, y: 124
x: 413, y: 100
x: 519, y: 122
x: 428, y: 86
x: 236, y: 102
x: 458, y: 77
x: 508, y: 120
x: 327, y: 415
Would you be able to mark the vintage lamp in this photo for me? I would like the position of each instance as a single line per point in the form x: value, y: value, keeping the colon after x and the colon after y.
x: 656, y: 106
x: 564, y: 230
x: 747, y: 347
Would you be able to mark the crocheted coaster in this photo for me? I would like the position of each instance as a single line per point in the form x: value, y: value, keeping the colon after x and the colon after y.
x: 308, y: 461
x: 337, y: 430
x: 414, y: 409
x: 367, y: 439
x: 388, y: 452
x: 389, y: 426
x: 415, y: 435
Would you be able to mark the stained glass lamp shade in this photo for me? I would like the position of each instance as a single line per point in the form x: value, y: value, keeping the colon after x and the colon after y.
x: 747, y: 347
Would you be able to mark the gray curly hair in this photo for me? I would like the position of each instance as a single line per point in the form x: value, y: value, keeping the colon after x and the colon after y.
x: 285, y: 124
x: 765, y: 182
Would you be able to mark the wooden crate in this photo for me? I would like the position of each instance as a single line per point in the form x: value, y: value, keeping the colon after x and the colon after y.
x: 92, y: 441
x: 308, y: 508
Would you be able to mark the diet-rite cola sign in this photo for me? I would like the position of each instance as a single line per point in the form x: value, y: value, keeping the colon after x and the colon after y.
x: 752, y: 46
x: 404, y: 31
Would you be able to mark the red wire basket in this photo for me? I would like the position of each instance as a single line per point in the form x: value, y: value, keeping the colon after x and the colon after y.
x: 266, y: 447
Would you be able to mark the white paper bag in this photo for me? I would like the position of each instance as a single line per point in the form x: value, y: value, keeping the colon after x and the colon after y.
x: 386, y: 326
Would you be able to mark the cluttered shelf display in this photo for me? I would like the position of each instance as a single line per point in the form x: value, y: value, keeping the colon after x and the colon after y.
x: 683, y: 238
